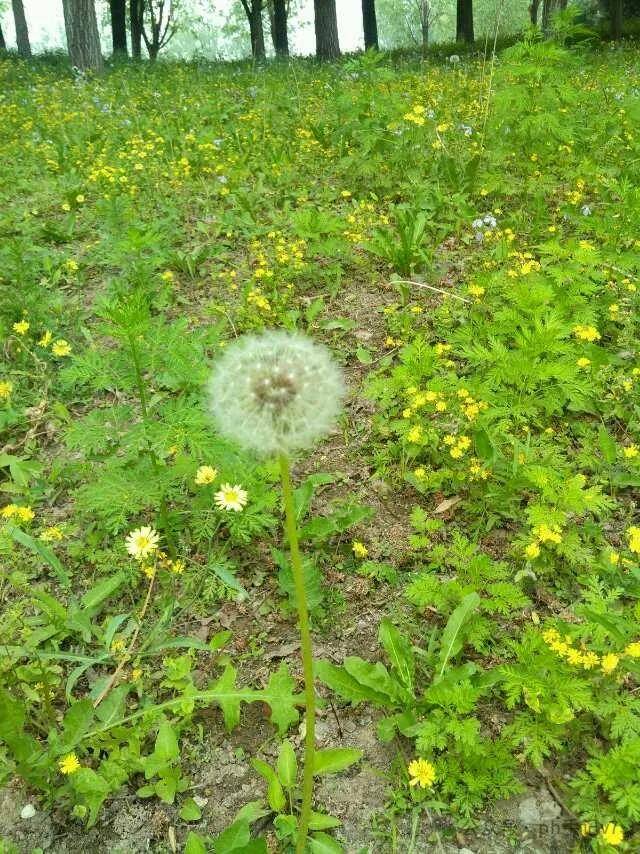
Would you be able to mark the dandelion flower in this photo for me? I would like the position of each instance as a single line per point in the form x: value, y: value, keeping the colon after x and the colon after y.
x: 359, y: 549
x: 612, y: 834
x: 231, y: 497
x: 69, y: 764
x: 6, y: 388
x: 142, y: 542
x: 421, y: 773
x: 61, y: 348
x: 276, y: 393
x: 609, y: 662
x: 532, y: 551
x: 21, y: 327
x: 205, y: 475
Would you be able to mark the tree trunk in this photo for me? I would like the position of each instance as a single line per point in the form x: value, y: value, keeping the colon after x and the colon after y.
x: 370, y: 24
x: 533, y: 12
x: 118, y: 10
x: 464, y: 22
x: 22, y: 31
x: 617, y: 18
x: 136, y: 10
x: 326, y: 26
x: 257, y: 30
x: 83, y: 41
x: 3, y: 44
x: 548, y: 8
x: 279, y: 28
x: 424, y: 25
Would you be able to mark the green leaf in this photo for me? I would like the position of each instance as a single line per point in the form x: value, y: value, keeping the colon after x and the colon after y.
x: 275, y: 792
x: 40, y: 549
x: 399, y: 651
x: 194, y: 844
x: 452, y: 636
x: 322, y: 821
x: 607, y: 445
x: 376, y: 677
x: 364, y: 356
x: 229, y: 700
x: 228, y: 579
x: 190, y: 811
x: 281, y: 699
x: 75, y: 724
x: 322, y: 843
x: 166, y: 748
x: 287, y: 765
x: 335, y: 759
x: 346, y: 686
x: 101, y: 591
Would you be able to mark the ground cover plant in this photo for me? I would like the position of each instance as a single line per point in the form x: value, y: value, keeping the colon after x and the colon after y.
x: 463, y: 236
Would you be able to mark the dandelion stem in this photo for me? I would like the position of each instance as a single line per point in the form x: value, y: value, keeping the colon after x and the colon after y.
x: 306, y: 651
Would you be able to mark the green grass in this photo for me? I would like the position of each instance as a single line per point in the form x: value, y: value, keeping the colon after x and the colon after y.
x: 465, y: 238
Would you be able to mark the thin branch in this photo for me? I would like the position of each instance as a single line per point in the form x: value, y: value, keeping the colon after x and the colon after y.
x: 430, y: 288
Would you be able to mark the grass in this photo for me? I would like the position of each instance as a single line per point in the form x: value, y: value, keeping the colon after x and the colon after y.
x: 464, y: 237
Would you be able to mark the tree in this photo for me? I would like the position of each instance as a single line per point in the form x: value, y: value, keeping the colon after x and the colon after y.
x: 279, y: 32
x: 326, y: 27
x: 464, y: 21
x: 118, y: 10
x: 616, y: 15
x: 136, y: 13
x: 253, y: 11
x: 534, y: 6
x: 370, y: 24
x: 22, y: 31
x: 83, y: 41
x: 161, y: 23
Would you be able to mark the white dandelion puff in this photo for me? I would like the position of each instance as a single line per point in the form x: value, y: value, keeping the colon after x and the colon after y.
x: 276, y: 393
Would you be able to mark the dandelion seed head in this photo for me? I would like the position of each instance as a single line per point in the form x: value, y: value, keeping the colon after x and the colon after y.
x: 276, y: 392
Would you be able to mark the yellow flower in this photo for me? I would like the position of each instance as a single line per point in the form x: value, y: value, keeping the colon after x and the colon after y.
x: 46, y: 339
x: 612, y: 834
x: 359, y: 549
x: 136, y: 673
x: 548, y: 534
x: 532, y: 551
x: 205, y: 475
x: 419, y: 473
x: 633, y: 649
x: 630, y: 451
x: 21, y: 327
x: 583, y: 362
x: 49, y: 535
x: 142, y: 542
x: 585, y: 828
x: 475, y: 291
x: 69, y: 764
x: 415, y: 434
x: 231, y: 497
x: 25, y: 514
x: 61, y: 347
x: 609, y: 662
x: 586, y: 333
x: 422, y: 773
x: 633, y: 533
x: 5, y: 389
x: 167, y: 276
x: 79, y: 198
x: 177, y: 566
x: 614, y: 558
x: 589, y: 660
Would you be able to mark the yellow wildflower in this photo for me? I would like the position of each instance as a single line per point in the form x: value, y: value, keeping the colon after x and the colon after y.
x: 612, y: 834
x: 421, y: 773
x: 359, y: 549
x: 609, y: 662
x: 69, y: 764
x: 61, y: 347
x: 205, y: 475
x: 21, y: 327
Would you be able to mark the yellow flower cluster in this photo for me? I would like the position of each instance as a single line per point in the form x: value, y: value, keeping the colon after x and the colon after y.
x: 6, y: 388
x: 633, y: 534
x: 584, y: 332
x: 416, y: 115
x: 523, y: 264
x: 458, y: 445
x: 15, y: 511
x: 585, y: 658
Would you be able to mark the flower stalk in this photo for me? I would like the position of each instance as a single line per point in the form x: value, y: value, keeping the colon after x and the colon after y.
x: 305, y: 650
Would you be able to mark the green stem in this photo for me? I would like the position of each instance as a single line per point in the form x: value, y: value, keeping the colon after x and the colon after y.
x: 306, y: 651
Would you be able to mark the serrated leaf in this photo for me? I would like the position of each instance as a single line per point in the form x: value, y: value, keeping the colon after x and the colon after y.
x: 334, y: 759
x: 229, y: 701
x: 281, y: 699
